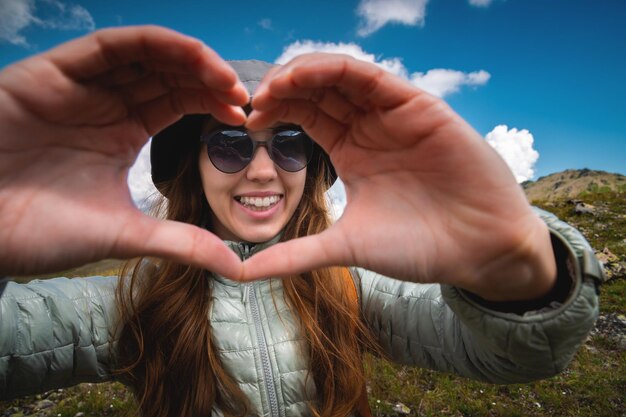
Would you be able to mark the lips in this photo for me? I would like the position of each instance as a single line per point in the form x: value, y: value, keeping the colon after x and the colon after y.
x: 259, y: 203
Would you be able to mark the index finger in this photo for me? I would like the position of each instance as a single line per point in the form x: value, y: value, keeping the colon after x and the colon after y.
x: 101, y: 51
x: 283, y: 259
x: 362, y: 83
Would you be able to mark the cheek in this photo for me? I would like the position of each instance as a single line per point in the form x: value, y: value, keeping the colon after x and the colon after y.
x: 215, y: 184
x: 296, y: 186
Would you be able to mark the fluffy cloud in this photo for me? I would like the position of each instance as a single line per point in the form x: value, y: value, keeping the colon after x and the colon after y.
x: 393, y: 65
x: 442, y: 82
x: 140, y: 181
x: 16, y: 15
x: 377, y: 13
x: 439, y: 82
x: 516, y: 148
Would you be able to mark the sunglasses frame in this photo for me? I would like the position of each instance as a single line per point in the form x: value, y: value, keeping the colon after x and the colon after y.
x: 267, y: 144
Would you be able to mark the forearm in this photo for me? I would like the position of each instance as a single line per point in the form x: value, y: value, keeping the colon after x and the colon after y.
x: 55, y: 333
x: 455, y: 331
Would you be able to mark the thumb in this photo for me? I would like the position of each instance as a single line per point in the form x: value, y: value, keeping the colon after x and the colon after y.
x: 299, y: 255
x: 182, y: 243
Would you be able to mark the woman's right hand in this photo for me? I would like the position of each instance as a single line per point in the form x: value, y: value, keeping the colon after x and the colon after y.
x: 72, y: 123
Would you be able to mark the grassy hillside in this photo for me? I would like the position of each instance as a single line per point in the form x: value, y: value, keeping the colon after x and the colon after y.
x: 573, y: 183
x: 593, y: 385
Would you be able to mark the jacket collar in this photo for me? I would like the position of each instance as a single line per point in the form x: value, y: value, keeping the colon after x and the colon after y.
x: 245, y: 250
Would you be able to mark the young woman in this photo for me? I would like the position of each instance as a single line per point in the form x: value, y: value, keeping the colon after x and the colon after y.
x: 245, y: 306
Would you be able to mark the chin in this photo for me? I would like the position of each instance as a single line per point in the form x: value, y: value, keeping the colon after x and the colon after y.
x: 260, y: 236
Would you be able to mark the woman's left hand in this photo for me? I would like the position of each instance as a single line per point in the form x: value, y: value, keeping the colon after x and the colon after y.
x: 428, y: 199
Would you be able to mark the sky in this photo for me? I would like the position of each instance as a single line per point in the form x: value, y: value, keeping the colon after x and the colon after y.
x: 543, y: 81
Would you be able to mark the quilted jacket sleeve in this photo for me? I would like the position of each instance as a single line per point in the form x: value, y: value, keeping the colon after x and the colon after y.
x: 55, y: 333
x: 447, y: 329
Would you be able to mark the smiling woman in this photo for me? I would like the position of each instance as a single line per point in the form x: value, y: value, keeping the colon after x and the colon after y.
x: 254, y: 203
x: 246, y: 298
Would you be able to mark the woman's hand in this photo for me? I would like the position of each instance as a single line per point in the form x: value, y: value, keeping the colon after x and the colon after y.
x: 72, y: 123
x: 428, y: 199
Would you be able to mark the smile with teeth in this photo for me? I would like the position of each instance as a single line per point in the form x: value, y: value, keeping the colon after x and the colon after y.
x: 259, y: 203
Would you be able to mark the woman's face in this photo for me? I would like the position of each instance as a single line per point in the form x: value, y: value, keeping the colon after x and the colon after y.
x: 239, y: 201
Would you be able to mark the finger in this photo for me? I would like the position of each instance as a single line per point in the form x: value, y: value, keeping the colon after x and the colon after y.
x: 156, y: 114
x: 107, y: 49
x: 360, y: 82
x: 329, y: 100
x: 156, y: 85
x: 123, y: 75
x: 180, y: 242
x: 137, y: 70
x: 159, y: 84
x: 284, y: 259
x: 321, y: 127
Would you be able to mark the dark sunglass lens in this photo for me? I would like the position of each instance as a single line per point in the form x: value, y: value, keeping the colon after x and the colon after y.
x: 230, y: 150
x: 291, y: 150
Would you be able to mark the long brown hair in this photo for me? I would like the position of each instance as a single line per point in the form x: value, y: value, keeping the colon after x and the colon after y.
x: 165, y: 351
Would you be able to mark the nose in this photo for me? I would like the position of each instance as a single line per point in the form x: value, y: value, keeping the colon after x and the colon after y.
x: 261, y: 168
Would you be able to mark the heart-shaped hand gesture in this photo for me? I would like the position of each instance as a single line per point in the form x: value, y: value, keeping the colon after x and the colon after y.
x: 427, y: 199
x: 72, y: 123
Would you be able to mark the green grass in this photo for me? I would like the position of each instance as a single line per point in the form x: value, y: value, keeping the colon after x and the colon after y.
x: 605, y: 228
x: 593, y: 385
x: 613, y: 297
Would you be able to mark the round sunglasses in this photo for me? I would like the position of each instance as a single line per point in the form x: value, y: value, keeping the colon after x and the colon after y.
x: 231, y: 150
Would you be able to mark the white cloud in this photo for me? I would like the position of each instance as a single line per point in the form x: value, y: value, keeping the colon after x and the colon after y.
x: 377, y: 13
x: 393, y: 65
x: 265, y: 24
x: 439, y: 82
x: 442, y: 82
x: 140, y: 183
x: 65, y: 17
x: 516, y: 148
x: 17, y: 15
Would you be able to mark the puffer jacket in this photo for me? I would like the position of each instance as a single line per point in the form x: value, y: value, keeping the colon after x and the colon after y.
x: 58, y: 332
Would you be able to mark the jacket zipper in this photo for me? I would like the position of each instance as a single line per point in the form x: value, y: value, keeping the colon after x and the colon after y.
x: 250, y: 294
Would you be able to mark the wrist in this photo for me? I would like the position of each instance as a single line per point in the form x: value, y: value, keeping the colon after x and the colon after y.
x: 559, y: 293
x: 527, y: 271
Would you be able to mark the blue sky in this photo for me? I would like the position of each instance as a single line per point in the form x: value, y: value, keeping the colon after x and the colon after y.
x: 553, y: 71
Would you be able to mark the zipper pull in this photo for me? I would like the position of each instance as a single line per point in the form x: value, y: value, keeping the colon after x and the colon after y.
x: 245, y: 293
x: 245, y: 250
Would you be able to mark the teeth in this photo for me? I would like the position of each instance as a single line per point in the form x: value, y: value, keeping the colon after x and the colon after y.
x: 260, y: 202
